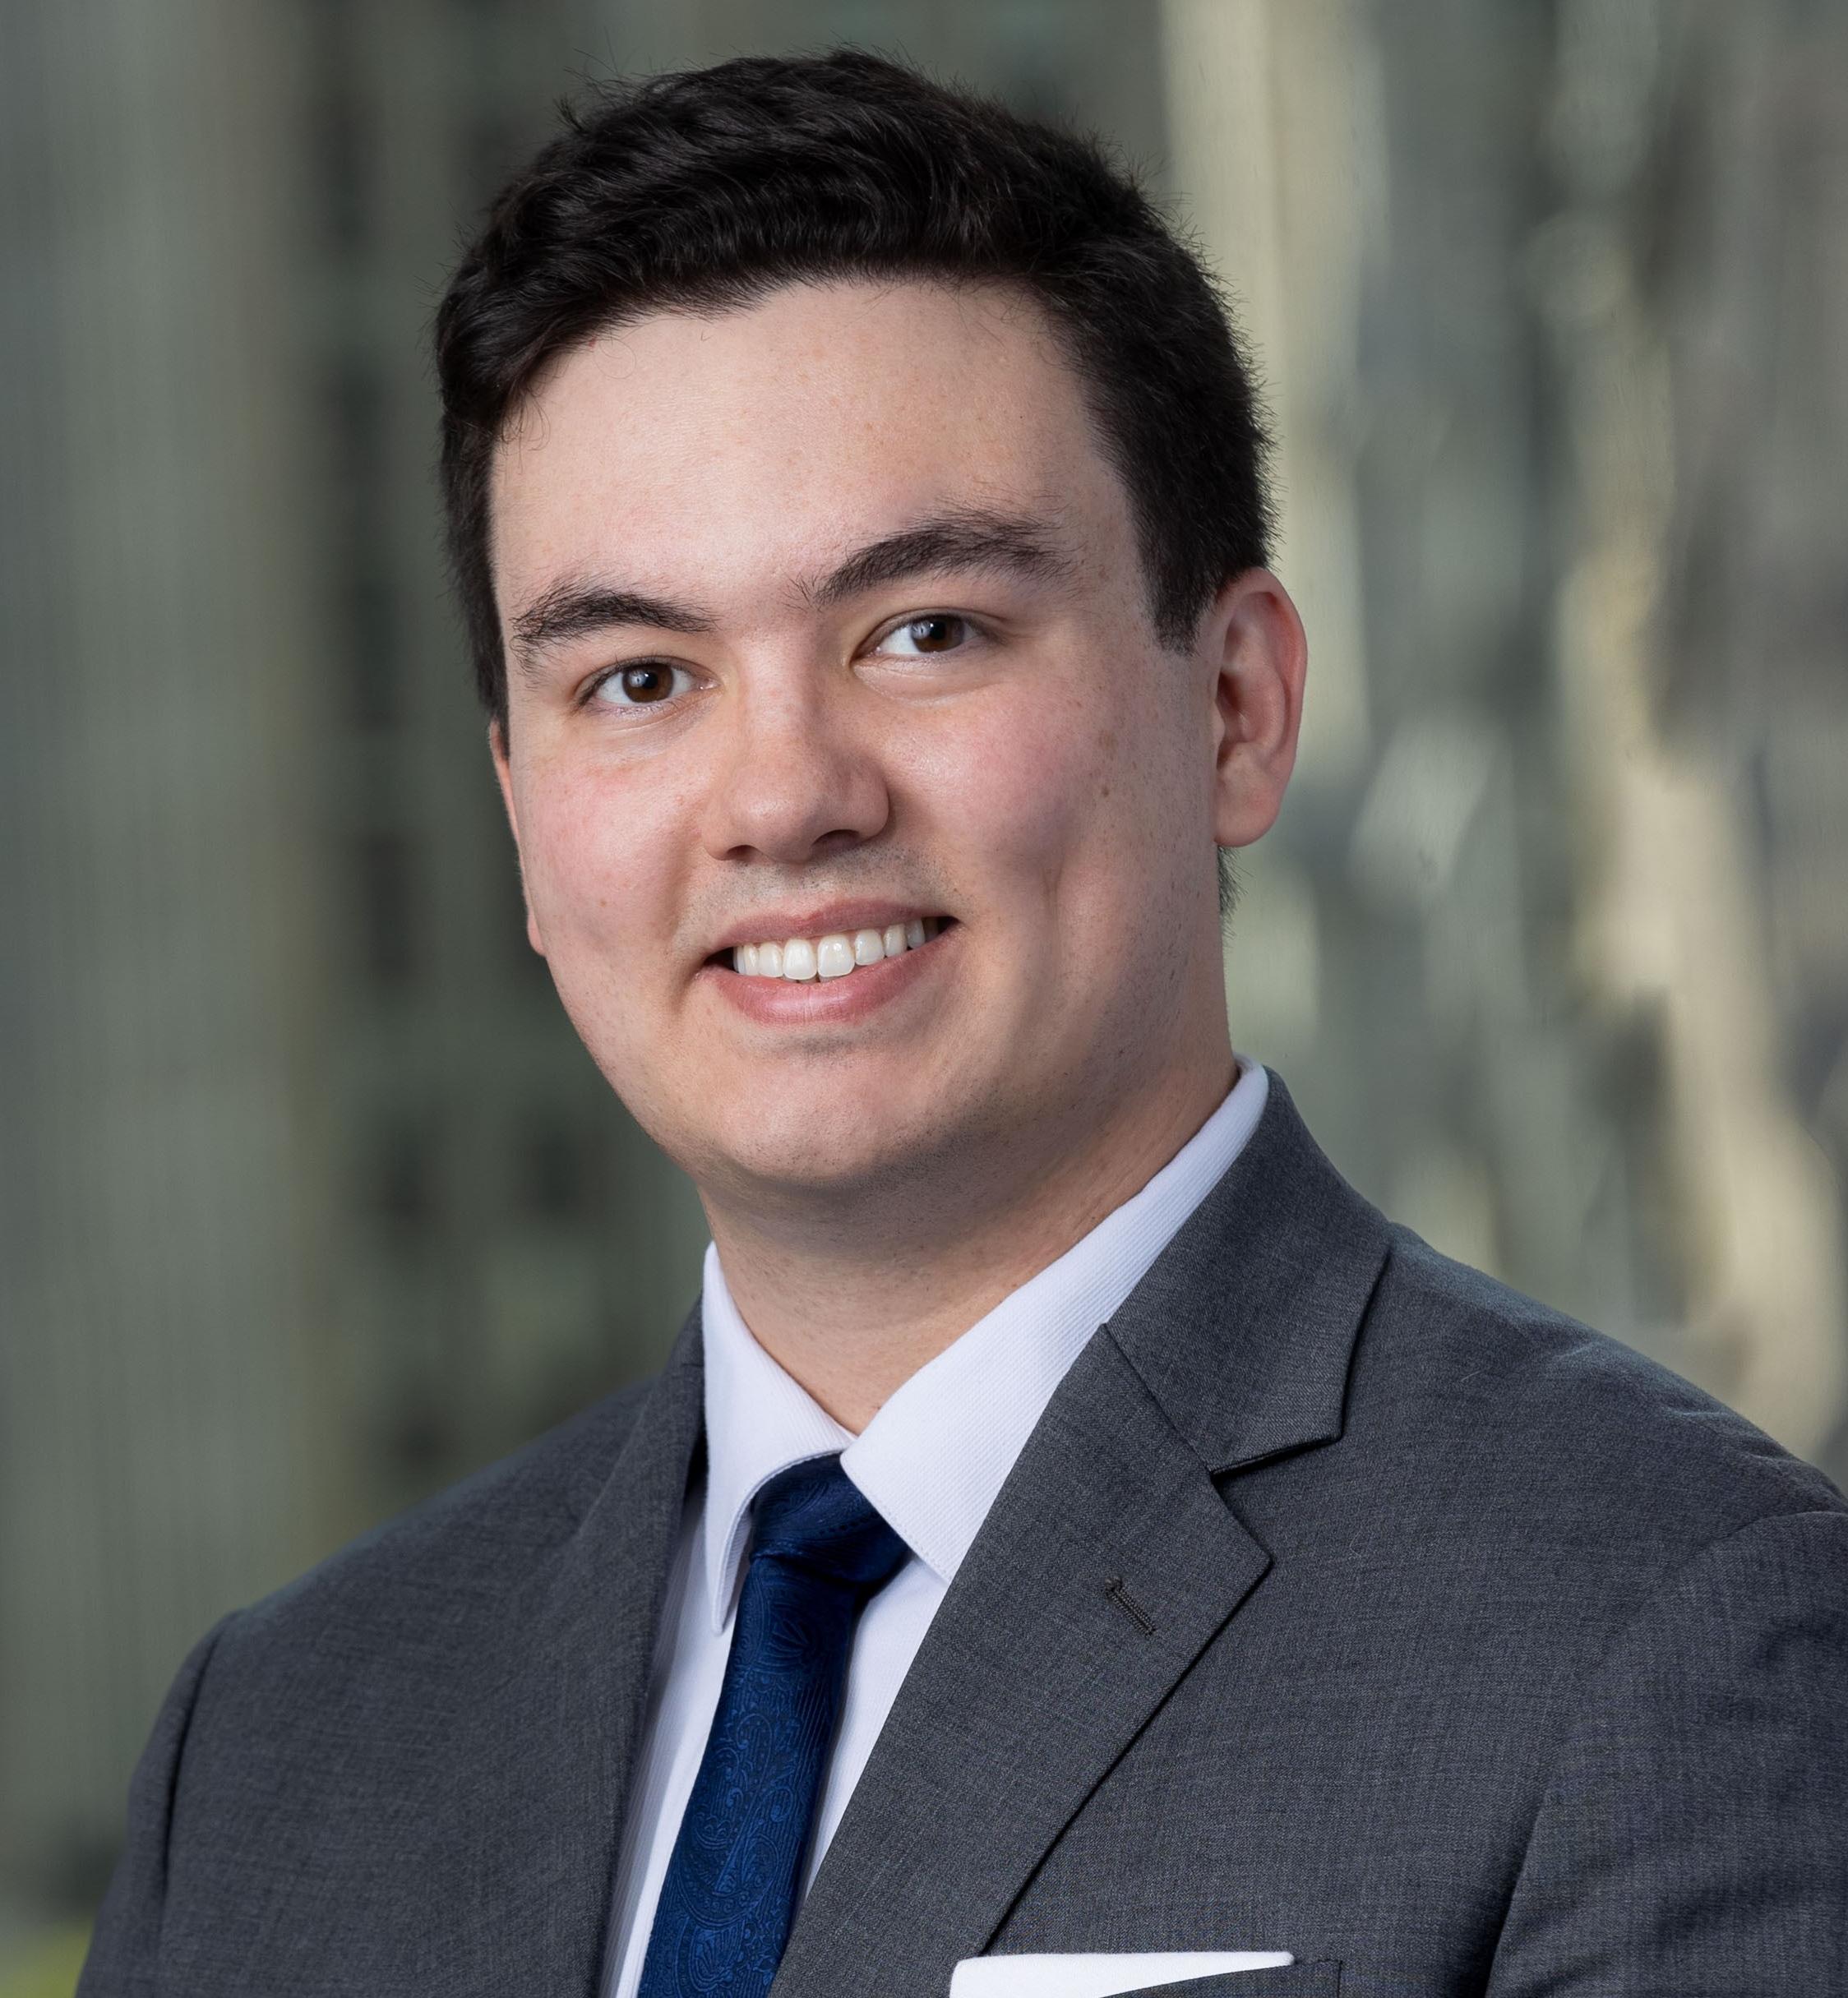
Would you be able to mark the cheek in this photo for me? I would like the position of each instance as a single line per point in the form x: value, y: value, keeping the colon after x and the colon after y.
x: 595, y: 856
x: 599, y: 883
x: 1029, y: 792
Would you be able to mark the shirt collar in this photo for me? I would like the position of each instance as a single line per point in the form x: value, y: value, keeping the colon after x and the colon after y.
x: 759, y: 1421
x: 934, y: 1457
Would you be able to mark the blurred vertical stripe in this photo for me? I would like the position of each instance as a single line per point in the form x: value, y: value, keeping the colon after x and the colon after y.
x: 156, y: 1190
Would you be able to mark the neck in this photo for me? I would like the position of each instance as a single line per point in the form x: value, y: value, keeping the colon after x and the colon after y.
x: 880, y: 1282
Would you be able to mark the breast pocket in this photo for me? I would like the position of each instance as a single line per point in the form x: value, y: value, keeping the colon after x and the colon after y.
x: 1319, y: 1980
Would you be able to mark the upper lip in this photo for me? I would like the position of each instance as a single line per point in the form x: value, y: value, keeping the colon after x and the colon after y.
x: 818, y: 920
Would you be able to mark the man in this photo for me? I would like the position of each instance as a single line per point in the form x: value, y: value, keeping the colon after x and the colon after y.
x: 1075, y: 1531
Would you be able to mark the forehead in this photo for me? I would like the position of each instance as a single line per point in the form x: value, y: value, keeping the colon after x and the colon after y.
x: 722, y: 447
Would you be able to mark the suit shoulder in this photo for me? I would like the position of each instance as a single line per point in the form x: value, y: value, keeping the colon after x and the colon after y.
x: 1514, y: 1394
x: 470, y: 1541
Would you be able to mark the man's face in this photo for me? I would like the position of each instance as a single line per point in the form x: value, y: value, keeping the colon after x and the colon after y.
x: 825, y: 618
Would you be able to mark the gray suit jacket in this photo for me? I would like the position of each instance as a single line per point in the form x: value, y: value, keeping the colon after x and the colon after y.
x: 1343, y: 1602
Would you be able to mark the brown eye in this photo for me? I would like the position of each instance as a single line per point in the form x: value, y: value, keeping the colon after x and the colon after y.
x: 938, y: 631
x: 647, y: 683
x: 935, y: 633
x: 643, y: 685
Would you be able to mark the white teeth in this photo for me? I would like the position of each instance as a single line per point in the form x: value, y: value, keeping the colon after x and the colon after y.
x: 834, y: 956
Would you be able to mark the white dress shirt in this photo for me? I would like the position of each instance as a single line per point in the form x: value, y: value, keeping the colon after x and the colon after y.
x: 932, y: 1461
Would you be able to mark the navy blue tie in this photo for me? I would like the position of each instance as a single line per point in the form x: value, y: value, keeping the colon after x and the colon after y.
x: 819, y: 1555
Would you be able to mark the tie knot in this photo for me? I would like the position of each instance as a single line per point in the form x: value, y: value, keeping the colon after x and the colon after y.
x: 813, y: 1516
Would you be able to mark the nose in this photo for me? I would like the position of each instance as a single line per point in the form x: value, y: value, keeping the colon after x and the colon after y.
x: 797, y: 779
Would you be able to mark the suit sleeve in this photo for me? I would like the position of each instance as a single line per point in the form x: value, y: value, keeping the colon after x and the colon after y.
x: 122, y: 1962
x: 1692, y: 1840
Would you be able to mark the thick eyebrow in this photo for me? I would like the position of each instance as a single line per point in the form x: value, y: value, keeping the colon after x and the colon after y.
x: 967, y: 538
x: 568, y: 610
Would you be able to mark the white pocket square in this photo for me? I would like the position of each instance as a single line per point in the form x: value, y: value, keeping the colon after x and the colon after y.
x: 1100, y: 1976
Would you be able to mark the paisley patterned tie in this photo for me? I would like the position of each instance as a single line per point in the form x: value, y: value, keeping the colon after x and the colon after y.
x: 819, y: 1555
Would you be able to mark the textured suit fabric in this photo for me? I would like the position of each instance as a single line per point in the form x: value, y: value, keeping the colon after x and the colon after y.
x: 1343, y: 1602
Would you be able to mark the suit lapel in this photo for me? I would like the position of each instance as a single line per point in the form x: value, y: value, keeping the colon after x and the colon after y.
x: 1109, y: 1562
x: 562, y: 1715
x: 1034, y: 1677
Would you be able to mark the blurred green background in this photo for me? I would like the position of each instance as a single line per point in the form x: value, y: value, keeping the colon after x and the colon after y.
x: 309, y: 1200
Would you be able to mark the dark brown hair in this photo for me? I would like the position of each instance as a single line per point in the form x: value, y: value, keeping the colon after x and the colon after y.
x: 705, y: 190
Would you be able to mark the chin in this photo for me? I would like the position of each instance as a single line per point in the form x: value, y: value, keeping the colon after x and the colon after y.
x: 803, y: 1169
x: 837, y: 1151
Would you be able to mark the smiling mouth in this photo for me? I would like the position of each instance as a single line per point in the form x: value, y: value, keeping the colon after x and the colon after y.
x: 800, y: 960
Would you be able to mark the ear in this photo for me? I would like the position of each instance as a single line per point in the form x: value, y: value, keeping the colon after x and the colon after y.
x: 503, y: 775
x: 1258, y: 655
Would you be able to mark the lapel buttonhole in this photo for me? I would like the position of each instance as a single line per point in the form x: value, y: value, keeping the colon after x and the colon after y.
x: 1130, y: 1608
